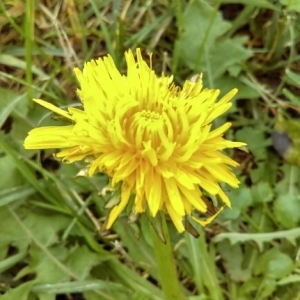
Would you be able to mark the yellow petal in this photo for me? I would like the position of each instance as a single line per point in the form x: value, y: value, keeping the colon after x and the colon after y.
x: 125, y: 195
x: 176, y: 218
x: 54, y: 108
x: 208, y: 220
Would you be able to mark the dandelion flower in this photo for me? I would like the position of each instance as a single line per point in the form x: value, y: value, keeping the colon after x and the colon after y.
x: 149, y: 136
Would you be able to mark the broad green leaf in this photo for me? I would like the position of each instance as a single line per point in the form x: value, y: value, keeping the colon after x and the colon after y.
x: 78, y: 261
x: 287, y: 210
x: 24, y: 169
x: 240, y: 199
x: 255, y: 139
x: 19, y: 293
x: 11, y: 233
x: 226, y: 83
x: 233, y: 260
x: 260, y: 219
x: 266, y: 170
x: 291, y: 175
x: 262, y: 192
x: 11, y: 102
x: 291, y: 4
x: 274, y: 264
x: 43, y: 226
x: 16, y: 193
x: 81, y: 260
x: 11, y: 176
x: 267, y: 287
x: 16, y: 103
x: 202, y: 25
x: 250, y: 287
x: 218, y: 60
x: 55, y: 264
x: 47, y: 265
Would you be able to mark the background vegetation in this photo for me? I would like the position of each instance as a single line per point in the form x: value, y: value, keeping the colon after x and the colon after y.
x: 50, y: 244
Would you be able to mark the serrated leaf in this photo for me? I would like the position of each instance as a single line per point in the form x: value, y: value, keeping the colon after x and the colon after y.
x: 47, y: 265
x: 206, y: 52
x: 44, y: 227
x: 259, y: 238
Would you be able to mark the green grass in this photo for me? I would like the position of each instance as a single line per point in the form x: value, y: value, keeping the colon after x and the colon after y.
x: 50, y: 241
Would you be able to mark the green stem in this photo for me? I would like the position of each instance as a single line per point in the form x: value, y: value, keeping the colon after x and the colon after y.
x: 165, y: 263
x: 29, y: 37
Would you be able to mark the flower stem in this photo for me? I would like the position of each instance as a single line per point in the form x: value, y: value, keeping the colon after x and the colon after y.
x: 165, y: 263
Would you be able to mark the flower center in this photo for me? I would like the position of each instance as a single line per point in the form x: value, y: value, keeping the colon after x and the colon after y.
x: 150, y: 116
x: 146, y: 127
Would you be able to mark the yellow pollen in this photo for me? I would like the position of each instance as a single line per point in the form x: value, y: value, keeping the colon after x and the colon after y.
x: 150, y: 115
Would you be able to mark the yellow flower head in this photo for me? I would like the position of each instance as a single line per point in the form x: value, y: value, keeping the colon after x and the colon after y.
x: 147, y: 134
